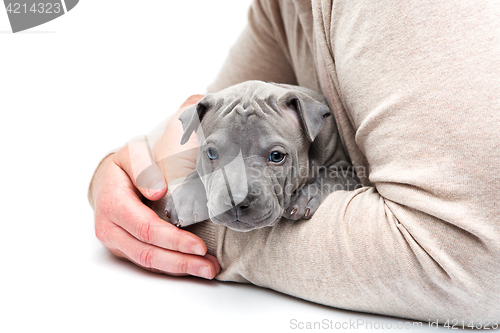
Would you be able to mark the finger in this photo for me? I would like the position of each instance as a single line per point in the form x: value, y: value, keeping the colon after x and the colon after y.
x: 142, y: 223
x: 155, y: 258
x: 215, y: 262
x: 137, y: 160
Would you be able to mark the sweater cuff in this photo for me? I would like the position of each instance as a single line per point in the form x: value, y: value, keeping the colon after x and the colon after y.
x: 207, y: 231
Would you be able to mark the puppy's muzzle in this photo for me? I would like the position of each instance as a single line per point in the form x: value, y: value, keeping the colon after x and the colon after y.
x: 254, y: 207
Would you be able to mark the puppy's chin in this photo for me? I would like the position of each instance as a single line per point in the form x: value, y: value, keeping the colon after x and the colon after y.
x: 234, y: 224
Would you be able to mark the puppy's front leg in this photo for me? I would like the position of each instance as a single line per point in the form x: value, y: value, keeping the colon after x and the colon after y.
x: 306, y: 200
x: 188, y: 203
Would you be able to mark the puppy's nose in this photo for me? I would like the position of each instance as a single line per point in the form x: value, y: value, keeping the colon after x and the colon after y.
x: 244, y: 205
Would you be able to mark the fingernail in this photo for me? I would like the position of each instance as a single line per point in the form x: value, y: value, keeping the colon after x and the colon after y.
x: 307, y: 212
x: 294, y: 210
x: 198, y: 249
x: 158, y: 186
x: 152, y: 179
x: 205, y: 272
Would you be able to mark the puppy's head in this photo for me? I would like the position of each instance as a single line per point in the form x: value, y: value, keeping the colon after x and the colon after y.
x: 254, y: 140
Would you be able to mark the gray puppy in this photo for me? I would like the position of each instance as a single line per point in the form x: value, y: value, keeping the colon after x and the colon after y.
x: 266, y: 151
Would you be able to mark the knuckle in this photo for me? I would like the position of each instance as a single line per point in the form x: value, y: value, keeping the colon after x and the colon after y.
x: 146, y: 257
x: 181, y: 266
x: 144, y: 232
x: 175, y: 240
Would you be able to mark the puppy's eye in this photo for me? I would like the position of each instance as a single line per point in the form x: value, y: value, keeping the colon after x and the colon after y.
x: 276, y: 156
x: 212, y: 153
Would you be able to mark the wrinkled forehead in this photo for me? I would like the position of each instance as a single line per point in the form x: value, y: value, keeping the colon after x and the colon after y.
x: 251, y: 90
x: 254, y: 135
x: 250, y: 108
x: 249, y: 98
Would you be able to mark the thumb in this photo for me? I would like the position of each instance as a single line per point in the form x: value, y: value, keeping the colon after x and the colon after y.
x: 137, y: 160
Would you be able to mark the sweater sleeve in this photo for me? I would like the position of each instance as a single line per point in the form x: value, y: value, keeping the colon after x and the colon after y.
x: 355, y: 254
x: 420, y: 240
x: 261, y: 51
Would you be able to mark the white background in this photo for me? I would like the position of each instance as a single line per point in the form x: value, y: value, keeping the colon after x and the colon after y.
x: 70, y: 91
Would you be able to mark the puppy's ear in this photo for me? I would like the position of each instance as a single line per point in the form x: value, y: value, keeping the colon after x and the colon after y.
x: 191, y: 118
x: 311, y: 108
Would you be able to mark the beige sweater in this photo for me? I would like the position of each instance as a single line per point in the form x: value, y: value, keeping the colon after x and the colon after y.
x: 415, y: 90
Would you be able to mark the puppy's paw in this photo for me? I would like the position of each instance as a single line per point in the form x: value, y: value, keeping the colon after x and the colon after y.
x: 305, y: 202
x: 187, y: 204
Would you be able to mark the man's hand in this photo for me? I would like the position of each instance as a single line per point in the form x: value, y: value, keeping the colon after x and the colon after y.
x: 131, y: 230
